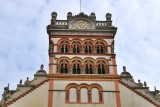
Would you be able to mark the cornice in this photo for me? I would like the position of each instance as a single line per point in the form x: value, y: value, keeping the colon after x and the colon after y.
x: 84, y: 77
x: 84, y: 54
x: 109, y: 32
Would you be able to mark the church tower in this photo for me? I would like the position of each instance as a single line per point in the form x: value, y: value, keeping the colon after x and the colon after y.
x: 82, y: 64
x: 82, y: 70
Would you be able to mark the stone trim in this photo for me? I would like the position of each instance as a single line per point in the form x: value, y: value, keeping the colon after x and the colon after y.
x: 140, y: 94
x: 27, y: 92
x: 83, y: 77
x: 89, y: 88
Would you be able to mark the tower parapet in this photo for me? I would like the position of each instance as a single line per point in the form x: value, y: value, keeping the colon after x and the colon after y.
x: 81, y: 22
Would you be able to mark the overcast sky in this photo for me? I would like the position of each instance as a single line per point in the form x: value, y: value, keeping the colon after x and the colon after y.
x: 24, y: 40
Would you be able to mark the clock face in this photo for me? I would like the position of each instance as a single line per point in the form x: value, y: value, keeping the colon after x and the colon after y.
x: 81, y: 24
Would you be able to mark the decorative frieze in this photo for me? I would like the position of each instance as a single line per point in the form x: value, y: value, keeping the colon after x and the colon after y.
x: 80, y: 33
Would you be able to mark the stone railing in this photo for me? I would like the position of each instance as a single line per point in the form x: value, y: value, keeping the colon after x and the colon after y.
x: 61, y: 22
x: 103, y: 23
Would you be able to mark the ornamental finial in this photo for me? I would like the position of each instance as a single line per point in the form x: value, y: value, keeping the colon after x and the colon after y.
x: 42, y: 66
x: 124, y: 69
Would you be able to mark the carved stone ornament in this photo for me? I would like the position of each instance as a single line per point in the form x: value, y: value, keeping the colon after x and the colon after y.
x: 82, y: 24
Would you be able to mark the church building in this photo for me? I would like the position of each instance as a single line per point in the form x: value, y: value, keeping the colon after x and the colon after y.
x: 82, y: 70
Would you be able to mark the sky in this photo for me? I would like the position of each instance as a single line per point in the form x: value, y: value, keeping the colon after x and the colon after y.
x: 24, y: 40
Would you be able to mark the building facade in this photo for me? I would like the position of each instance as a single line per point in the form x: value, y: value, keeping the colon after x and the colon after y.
x: 82, y: 70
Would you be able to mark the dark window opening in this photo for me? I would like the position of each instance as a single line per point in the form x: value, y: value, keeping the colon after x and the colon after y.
x: 89, y: 69
x: 100, y: 49
x: 76, y: 69
x: 88, y: 49
x: 64, y: 68
x: 64, y: 49
x: 101, y: 69
x: 76, y: 49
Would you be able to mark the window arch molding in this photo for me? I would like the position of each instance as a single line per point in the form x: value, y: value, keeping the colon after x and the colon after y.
x: 76, y: 65
x: 88, y: 46
x: 63, y: 45
x: 83, y: 85
x: 77, y: 58
x: 72, y: 85
x: 94, y: 85
x: 63, y: 65
x: 100, y: 40
x: 89, y: 92
x: 63, y: 39
x: 100, y: 46
x: 63, y: 58
x: 76, y: 45
x: 88, y: 65
x: 103, y: 59
x: 76, y: 39
x: 68, y: 87
x: 99, y: 94
x: 102, y: 66
x: 88, y: 58
x: 90, y: 40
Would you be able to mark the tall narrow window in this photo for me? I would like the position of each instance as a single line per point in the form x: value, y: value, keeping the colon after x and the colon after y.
x: 76, y: 66
x: 64, y: 66
x: 99, y: 47
x: 84, y: 95
x: 95, y: 95
x: 76, y: 46
x: 76, y: 49
x: 73, y: 95
x: 64, y: 46
x: 88, y: 47
x: 89, y: 67
x: 102, y: 68
x: 76, y: 69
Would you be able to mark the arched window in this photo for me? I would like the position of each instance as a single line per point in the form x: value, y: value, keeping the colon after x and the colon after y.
x: 84, y: 95
x: 88, y: 47
x: 64, y: 66
x: 73, y: 95
x: 89, y: 67
x: 76, y: 67
x: 102, y: 68
x: 76, y: 46
x: 95, y: 95
x: 64, y: 46
x: 99, y: 47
